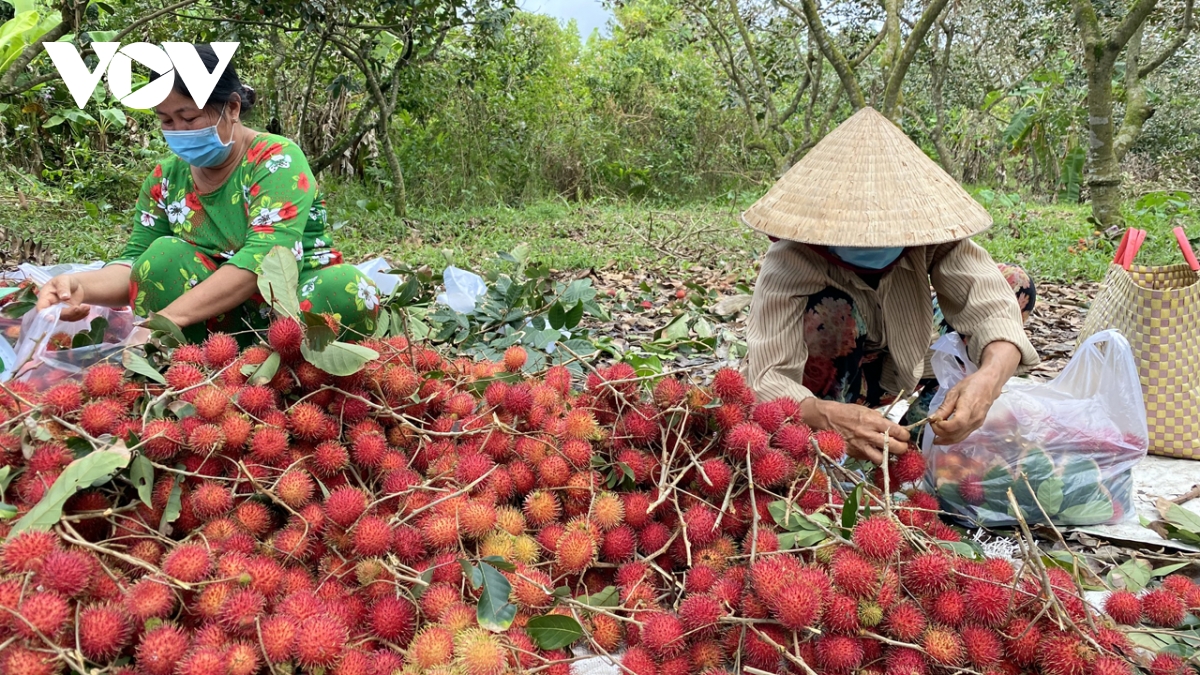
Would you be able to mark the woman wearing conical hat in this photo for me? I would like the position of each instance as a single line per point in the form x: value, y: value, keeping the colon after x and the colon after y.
x: 842, y: 315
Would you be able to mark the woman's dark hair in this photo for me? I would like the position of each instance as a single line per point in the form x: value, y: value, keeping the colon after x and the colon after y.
x: 227, y: 85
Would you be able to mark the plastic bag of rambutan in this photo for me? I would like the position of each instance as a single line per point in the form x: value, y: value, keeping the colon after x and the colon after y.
x: 1064, y: 448
x: 51, y: 350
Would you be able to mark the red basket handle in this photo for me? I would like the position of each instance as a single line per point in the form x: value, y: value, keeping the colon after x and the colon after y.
x: 1130, y: 250
x: 1186, y: 247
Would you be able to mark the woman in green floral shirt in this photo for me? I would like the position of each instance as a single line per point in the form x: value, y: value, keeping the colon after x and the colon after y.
x: 208, y: 215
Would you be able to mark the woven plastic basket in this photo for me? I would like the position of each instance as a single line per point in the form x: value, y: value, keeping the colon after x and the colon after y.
x: 1158, y: 310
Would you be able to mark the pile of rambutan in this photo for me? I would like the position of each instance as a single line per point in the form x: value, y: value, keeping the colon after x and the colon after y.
x: 305, y: 523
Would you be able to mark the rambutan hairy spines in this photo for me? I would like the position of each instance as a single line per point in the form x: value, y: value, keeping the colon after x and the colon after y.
x: 729, y: 385
x: 220, y: 349
x: 161, y: 649
x: 1124, y: 608
x: 1163, y: 608
x: 103, y: 380
x: 104, y: 631
x: 663, y: 635
x: 877, y: 537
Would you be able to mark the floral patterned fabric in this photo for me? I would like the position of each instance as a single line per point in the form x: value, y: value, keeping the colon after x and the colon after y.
x: 271, y: 199
x: 841, y: 367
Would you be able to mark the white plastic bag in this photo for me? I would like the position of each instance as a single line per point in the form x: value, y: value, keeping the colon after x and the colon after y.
x: 463, y: 288
x: 1065, y: 447
x: 376, y: 270
x: 44, y: 367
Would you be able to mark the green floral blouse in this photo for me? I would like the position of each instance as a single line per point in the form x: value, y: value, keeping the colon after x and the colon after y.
x: 271, y: 199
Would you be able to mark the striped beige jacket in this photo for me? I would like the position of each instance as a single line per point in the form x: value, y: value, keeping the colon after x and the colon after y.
x: 971, y: 291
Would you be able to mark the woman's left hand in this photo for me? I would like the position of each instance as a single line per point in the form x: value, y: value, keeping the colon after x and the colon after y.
x: 967, y: 403
x: 965, y: 408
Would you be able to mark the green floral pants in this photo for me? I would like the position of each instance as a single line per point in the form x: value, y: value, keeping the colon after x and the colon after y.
x: 172, y: 266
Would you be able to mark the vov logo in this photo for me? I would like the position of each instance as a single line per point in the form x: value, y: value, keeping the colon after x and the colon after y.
x: 117, y: 61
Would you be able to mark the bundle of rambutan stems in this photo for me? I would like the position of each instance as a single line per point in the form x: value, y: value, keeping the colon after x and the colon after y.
x: 352, y: 547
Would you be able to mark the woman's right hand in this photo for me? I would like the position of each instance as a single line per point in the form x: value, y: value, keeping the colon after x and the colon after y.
x: 863, y: 428
x: 67, y: 289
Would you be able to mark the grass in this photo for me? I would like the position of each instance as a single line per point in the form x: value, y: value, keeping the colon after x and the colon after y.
x: 1054, y: 242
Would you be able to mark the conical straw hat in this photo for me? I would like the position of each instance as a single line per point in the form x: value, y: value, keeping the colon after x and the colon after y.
x: 867, y: 184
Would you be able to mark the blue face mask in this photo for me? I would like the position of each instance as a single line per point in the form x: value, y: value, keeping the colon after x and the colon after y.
x: 867, y: 258
x: 199, y: 147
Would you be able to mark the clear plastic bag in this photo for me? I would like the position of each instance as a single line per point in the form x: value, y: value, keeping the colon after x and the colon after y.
x: 44, y: 357
x: 1065, y: 448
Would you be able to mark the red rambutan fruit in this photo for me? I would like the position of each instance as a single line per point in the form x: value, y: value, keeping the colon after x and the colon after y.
x: 285, y: 335
x: 189, y: 563
x: 278, y: 638
x: 700, y: 614
x: 909, y: 467
x: 553, y: 472
x: 905, y: 622
x: 1063, y: 655
x: 928, y: 573
x: 103, y: 380
x: 744, y: 438
x: 619, y: 544
x: 1111, y: 665
x: 579, y: 423
x: 970, y: 488
x: 239, y: 613
x: 320, y: 641
x: 345, y: 505
x: 796, y: 606
x: 1168, y: 664
x: 989, y: 602
x: 163, y: 439
x: 1124, y: 608
x: 638, y: 661
x: 729, y: 385
x: 220, y: 349
x: 295, y: 488
x: 63, y: 399
x: 42, y: 613
x: 393, y: 619
x: 433, y: 646
x: 947, y: 607
x: 663, y: 634
x: 65, y: 572
x: 100, y: 417
x: 771, y: 468
x: 1163, y: 608
x: 210, y: 500
x: 839, y: 654
x: 372, y: 537
x: 700, y: 523
x: 668, y: 393
x: 149, y: 599
x: 27, y: 551
x: 211, y: 402
x: 714, y: 477
x: 877, y: 537
x: 257, y: 399
x: 104, y: 631
x: 831, y: 443
x: 307, y: 422
x: 161, y: 650
x: 943, y: 647
x: 206, y: 439
x: 982, y: 646
x: 575, y: 551
x: 853, y: 575
x: 904, y: 661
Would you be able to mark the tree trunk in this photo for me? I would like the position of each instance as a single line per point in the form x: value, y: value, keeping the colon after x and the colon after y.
x: 1104, y: 172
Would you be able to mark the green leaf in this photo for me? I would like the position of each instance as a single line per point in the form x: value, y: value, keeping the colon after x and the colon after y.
x: 608, y: 597
x: 279, y: 280
x: 114, y: 115
x: 1164, y: 571
x: 174, y: 504
x: 1050, y: 495
x: 8, y: 512
x: 137, y: 363
x: 850, y: 508
x: 676, y: 330
x: 471, y: 572
x: 703, y: 328
x: 164, y: 325
x: 101, y: 464
x: 645, y: 365
x: 1091, y: 513
x: 574, y: 316
x: 500, y: 563
x: 141, y: 472
x: 1182, y: 518
x: 495, y: 612
x: 419, y: 589
x: 6, y: 476
x: 554, y: 631
x: 961, y: 548
x: 265, y: 372
x: 339, y: 358
x: 557, y: 316
x: 1133, y: 574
